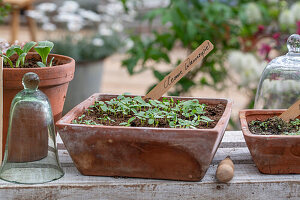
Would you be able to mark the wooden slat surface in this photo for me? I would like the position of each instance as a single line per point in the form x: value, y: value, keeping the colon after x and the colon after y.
x: 247, y: 183
x: 1, y: 108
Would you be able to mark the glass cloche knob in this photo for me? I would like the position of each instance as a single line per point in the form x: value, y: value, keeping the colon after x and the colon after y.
x: 31, y: 81
x: 293, y: 43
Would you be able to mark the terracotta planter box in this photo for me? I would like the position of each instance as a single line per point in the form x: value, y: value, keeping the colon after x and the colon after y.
x: 54, y: 83
x: 272, y: 154
x: 161, y: 153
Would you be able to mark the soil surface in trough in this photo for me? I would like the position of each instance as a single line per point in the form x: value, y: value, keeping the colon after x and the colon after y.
x: 208, y: 119
x: 275, y: 126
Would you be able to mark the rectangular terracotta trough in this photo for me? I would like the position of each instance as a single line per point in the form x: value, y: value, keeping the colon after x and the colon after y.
x: 272, y: 154
x: 160, y: 153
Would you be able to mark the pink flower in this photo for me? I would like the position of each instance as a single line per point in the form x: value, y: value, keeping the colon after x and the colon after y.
x: 276, y: 36
x: 298, y: 27
x: 260, y: 30
x: 264, y: 49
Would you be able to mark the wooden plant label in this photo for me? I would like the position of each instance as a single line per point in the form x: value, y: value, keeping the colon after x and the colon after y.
x: 1, y: 107
x: 292, y: 112
x: 181, y: 70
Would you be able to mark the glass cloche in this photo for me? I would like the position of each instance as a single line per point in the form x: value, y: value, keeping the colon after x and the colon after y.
x: 30, y: 152
x: 279, y: 85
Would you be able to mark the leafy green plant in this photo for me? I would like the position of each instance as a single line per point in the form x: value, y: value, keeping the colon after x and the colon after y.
x: 189, y: 23
x: 19, y: 51
x: 43, y: 48
x: 135, y: 111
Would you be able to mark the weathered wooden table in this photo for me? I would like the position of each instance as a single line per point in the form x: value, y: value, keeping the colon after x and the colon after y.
x: 247, y: 183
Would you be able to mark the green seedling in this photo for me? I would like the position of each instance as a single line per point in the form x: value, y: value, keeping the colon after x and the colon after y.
x: 295, y: 133
x: 43, y: 48
x: 264, y: 125
x: 296, y: 122
x: 177, y: 114
x: 22, y: 53
x: 128, y: 123
x: 6, y: 60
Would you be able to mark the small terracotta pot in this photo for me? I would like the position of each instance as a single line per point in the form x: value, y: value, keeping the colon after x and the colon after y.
x: 54, y: 83
x: 272, y: 154
x: 161, y: 153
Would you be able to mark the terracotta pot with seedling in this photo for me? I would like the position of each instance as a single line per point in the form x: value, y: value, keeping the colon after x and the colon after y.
x: 55, y: 72
x: 170, y: 138
x: 273, y: 138
x: 149, y: 137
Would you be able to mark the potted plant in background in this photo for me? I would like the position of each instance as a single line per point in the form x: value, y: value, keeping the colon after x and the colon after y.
x: 88, y: 33
x: 173, y: 138
x: 55, y: 72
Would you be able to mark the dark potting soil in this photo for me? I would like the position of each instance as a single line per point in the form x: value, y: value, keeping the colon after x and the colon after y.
x: 275, y: 126
x: 213, y: 112
x: 32, y: 63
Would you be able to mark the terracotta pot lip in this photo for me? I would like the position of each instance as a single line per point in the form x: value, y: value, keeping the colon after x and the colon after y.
x: 71, y: 61
x: 70, y: 66
x: 245, y: 129
x: 222, y: 120
x: 134, y: 128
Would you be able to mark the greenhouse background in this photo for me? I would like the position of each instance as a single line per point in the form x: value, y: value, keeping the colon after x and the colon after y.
x: 130, y: 45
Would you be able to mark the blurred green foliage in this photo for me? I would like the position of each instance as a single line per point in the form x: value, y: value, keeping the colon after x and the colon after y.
x: 228, y: 24
x: 4, y: 10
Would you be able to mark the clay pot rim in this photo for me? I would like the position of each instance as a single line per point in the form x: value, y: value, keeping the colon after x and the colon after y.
x: 70, y: 61
x: 64, y: 121
x: 245, y: 129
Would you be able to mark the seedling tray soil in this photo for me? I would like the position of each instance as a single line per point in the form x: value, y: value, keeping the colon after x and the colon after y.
x: 135, y: 112
x: 275, y: 126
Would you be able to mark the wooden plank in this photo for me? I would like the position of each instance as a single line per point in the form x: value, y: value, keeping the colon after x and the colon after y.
x: 233, y: 139
x: 1, y: 108
x: 287, y: 190
x: 244, y: 173
x: 247, y: 183
x: 88, y: 187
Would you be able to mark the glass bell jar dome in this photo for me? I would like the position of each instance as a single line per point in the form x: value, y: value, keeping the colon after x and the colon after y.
x: 30, y: 152
x: 279, y: 85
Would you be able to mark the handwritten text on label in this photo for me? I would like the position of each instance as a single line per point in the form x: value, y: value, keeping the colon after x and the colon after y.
x: 181, y: 70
